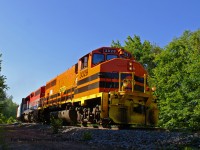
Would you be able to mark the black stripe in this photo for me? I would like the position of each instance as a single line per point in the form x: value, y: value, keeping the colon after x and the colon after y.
x: 108, y: 75
x: 69, y: 91
x: 138, y: 88
x: 90, y: 78
x: 115, y: 75
x: 87, y: 87
x: 107, y: 85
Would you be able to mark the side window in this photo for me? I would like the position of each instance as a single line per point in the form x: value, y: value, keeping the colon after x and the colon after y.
x: 97, y: 58
x: 84, y: 62
x: 76, y: 68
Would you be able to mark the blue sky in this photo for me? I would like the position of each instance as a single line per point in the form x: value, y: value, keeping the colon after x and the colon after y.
x: 40, y: 39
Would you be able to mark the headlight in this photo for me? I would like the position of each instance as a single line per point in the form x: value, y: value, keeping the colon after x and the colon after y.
x: 153, y: 88
x: 125, y: 83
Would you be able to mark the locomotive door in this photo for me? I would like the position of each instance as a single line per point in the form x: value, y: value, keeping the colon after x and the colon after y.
x: 83, y: 66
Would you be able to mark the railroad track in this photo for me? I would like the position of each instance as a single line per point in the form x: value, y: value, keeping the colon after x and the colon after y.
x: 123, y: 127
x: 100, y: 127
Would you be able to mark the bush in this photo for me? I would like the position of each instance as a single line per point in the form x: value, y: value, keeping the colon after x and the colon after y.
x: 87, y: 136
x: 56, y: 124
x: 2, y: 119
x: 11, y: 120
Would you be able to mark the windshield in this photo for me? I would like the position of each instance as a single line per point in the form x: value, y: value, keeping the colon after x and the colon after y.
x: 97, y: 58
x: 110, y: 56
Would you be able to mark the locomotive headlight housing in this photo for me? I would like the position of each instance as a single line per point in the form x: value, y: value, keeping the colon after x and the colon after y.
x: 130, y: 66
x: 125, y: 83
x: 153, y: 89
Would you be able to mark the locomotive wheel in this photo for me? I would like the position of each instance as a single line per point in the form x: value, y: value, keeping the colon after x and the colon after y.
x: 106, y: 123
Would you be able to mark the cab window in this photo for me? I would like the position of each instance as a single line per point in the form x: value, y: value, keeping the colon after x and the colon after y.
x: 97, y: 58
x: 125, y: 55
x: 84, y: 62
x: 110, y: 56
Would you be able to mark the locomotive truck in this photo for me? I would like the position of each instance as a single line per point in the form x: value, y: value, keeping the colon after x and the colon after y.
x: 105, y: 86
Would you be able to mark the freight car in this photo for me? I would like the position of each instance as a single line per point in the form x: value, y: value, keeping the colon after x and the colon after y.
x: 106, y: 86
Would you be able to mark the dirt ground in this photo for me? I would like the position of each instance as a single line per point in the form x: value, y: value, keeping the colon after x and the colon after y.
x: 32, y: 137
x: 40, y: 137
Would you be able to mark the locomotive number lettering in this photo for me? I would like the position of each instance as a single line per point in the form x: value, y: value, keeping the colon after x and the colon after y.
x: 84, y: 73
x: 109, y: 51
x: 127, y: 54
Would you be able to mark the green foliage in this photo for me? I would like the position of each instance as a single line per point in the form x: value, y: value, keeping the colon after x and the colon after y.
x: 2, y: 119
x: 87, y: 136
x: 56, y: 124
x: 144, y: 53
x: 178, y: 82
x: 11, y: 120
x: 9, y: 108
x: 3, y: 86
x: 116, y: 44
x: 8, y: 111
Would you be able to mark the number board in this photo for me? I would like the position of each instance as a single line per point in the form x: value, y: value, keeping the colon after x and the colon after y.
x: 110, y: 51
x: 127, y: 54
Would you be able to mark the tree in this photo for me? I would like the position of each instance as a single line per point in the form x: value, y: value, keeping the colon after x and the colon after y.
x: 144, y: 52
x: 7, y: 107
x: 3, y: 87
x: 2, y: 119
x: 178, y: 82
x: 10, y: 108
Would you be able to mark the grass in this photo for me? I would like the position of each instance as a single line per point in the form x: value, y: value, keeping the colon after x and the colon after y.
x: 56, y: 124
x: 87, y: 136
x: 3, y: 144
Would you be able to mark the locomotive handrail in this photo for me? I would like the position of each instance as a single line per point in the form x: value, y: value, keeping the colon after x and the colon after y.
x: 145, y: 82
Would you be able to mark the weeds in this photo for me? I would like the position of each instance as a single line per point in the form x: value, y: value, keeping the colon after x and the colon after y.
x: 87, y: 136
x: 56, y: 124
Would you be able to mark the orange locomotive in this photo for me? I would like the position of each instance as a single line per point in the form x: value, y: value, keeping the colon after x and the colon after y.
x: 106, y: 86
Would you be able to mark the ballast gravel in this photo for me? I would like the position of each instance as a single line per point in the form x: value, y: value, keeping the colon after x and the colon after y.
x: 38, y: 136
x: 132, y: 139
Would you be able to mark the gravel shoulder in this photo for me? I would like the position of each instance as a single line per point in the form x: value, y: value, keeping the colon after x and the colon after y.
x: 37, y: 136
